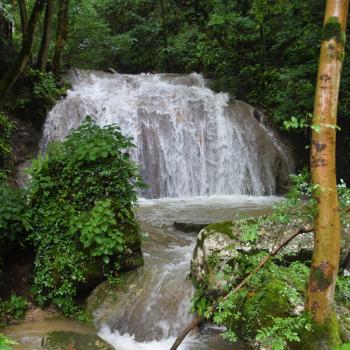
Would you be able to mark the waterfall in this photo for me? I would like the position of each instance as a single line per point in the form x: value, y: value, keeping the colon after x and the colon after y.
x: 190, y: 141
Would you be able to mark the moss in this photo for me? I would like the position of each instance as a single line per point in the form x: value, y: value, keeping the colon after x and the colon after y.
x: 132, y: 261
x: 321, y: 276
x: 72, y: 340
x: 322, y: 337
x: 332, y: 29
x: 213, y: 260
x: 225, y: 227
x: 271, y: 302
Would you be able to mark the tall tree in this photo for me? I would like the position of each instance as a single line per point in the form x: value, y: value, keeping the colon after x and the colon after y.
x: 325, y: 261
x: 24, y: 15
x: 23, y: 57
x: 61, y: 34
x: 45, y: 41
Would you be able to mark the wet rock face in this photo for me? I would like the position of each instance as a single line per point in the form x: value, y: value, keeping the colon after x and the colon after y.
x: 221, y: 245
x: 73, y: 341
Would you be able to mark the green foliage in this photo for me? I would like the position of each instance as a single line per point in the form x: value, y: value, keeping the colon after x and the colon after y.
x: 98, y: 230
x: 14, y: 219
x: 283, y: 331
x: 81, y: 196
x: 39, y: 93
x: 6, y: 343
x: 6, y: 127
x: 250, y: 231
x: 269, y: 309
x: 14, y: 308
x: 343, y: 347
x: 200, y: 303
x: 343, y: 290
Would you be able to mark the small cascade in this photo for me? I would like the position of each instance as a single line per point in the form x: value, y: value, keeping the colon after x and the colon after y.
x: 154, y: 306
x: 190, y: 141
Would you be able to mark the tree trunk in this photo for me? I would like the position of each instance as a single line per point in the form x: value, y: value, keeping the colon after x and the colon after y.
x: 325, y: 261
x: 61, y: 35
x: 17, y: 67
x: 45, y: 42
x: 24, y: 15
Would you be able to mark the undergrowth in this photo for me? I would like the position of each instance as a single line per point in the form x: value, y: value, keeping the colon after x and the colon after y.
x: 269, y: 310
x: 82, y: 195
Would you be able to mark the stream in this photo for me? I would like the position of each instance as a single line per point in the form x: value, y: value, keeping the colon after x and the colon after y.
x: 156, y: 305
x: 205, y: 158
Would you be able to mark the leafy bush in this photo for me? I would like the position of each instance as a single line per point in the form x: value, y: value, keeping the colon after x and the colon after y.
x: 36, y: 93
x: 5, y: 342
x: 14, y: 308
x: 269, y: 309
x: 5, y: 132
x: 82, y: 195
x: 14, y: 218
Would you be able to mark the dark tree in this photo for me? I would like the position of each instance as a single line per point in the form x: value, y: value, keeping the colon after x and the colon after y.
x: 45, y: 42
x: 61, y: 34
x: 23, y: 57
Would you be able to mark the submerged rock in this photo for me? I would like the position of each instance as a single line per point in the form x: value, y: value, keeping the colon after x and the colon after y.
x: 188, y: 227
x: 110, y: 296
x: 74, y: 341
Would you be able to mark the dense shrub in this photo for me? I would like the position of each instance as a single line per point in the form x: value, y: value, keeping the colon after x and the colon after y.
x: 14, y: 225
x: 14, y: 219
x: 13, y: 308
x: 82, y: 195
x: 6, y: 343
x: 5, y: 132
x: 269, y: 309
x: 35, y: 94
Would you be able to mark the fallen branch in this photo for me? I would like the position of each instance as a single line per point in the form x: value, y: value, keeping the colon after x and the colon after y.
x: 196, y: 322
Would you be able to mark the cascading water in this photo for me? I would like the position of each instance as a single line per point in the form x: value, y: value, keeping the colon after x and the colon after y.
x: 155, y: 306
x: 189, y: 140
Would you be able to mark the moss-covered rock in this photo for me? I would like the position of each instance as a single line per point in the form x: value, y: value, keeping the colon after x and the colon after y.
x: 223, y: 244
x: 74, y: 341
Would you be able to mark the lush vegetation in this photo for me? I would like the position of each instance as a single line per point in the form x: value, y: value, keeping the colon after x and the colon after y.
x: 36, y: 93
x: 6, y: 343
x: 13, y: 308
x: 81, y: 204
x: 5, y: 146
x: 14, y: 220
x: 269, y: 309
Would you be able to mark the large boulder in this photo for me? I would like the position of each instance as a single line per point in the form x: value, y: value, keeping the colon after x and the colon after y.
x: 222, y: 245
x: 75, y: 341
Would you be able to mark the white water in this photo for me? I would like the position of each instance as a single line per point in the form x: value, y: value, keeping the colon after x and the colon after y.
x: 156, y: 305
x: 190, y: 141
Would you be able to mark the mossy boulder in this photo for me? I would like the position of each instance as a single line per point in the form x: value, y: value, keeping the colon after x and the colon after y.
x: 224, y: 244
x: 74, y: 341
x: 132, y: 256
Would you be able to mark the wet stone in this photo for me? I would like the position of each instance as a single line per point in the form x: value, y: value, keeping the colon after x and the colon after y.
x: 74, y: 341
